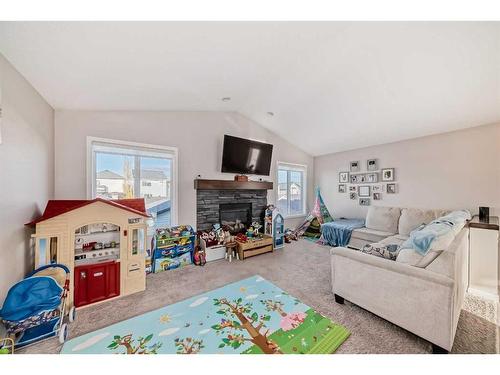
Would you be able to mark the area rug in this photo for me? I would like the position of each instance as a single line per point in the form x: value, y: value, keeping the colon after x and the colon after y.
x: 251, y: 316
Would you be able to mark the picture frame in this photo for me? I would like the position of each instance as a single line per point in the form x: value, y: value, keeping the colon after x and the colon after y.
x: 388, y: 174
x: 377, y: 196
x: 372, y: 177
x: 353, y: 195
x: 391, y: 188
x: 343, y: 177
x: 342, y: 188
x: 364, y: 191
x: 358, y: 178
x: 353, y: 188
x: 364, y: 201
x: 377, y: 188
x: 354, y: 166
x: 372, y: 165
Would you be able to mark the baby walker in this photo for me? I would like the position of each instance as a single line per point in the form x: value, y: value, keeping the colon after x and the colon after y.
x: 35, y: 307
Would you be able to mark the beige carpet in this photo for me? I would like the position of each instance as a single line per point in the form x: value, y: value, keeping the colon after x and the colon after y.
x: 302, y: 269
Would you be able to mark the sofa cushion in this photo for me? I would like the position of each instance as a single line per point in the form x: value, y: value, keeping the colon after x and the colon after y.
x: 412, y: 218
x: 371, y: 235
x: 394, y: 240
x: 383, y: 218
x: 412, y: 258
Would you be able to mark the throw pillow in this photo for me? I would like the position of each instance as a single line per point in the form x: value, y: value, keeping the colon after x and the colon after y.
x: 380, y: 250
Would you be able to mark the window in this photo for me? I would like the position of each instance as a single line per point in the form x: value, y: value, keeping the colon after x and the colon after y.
x: 120, y: 170
x: 291, y: 190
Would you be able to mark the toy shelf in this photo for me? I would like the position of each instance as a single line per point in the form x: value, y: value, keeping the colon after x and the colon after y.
x: 172, y: 252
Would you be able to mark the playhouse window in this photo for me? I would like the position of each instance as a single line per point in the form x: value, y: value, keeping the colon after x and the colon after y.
x: 53, y: 250
x: 42, y: 252
x: 137, y: 241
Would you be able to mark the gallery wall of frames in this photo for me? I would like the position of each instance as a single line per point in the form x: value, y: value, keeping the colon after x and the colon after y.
x: 366, y: 181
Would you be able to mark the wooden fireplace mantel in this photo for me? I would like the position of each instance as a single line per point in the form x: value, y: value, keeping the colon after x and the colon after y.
x: 232, y: 185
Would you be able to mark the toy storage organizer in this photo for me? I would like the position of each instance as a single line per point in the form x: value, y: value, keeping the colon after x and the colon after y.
x: 173, y: 248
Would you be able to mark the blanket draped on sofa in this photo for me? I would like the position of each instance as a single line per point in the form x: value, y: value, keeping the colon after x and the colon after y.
x: 338, y: 232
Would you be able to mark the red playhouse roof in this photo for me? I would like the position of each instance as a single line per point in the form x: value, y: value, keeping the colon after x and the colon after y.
x: 58, y: 207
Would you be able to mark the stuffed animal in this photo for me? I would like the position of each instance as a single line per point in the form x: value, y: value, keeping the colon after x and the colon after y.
x: 199, y: 257
x: 256, y: 226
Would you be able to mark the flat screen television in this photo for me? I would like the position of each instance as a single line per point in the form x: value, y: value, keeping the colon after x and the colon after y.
x: 244, y: 156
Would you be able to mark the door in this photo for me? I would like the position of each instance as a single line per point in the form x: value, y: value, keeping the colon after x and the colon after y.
x: 96, y: 282
x: 97, y: 290
x: 81, y: 286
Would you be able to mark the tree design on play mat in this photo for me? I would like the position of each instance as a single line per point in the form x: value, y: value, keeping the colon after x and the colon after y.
x: 288, y: 321
x: 131, y: 347
x: 249, y: 321
x: 188, y: 345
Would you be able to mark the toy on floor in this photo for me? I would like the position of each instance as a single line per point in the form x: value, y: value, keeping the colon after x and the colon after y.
x: 290, y: 236
x: 199, y: 256
x: 7, y: 346
x: 36, y: 306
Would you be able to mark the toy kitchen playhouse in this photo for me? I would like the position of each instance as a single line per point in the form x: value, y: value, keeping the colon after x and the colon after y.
x: 102, y: 242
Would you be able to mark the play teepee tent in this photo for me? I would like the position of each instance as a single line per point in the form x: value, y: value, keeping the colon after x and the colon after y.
x: 311, y: 226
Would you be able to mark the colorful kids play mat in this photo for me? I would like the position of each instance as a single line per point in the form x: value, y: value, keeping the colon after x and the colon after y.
x: 251, y: 316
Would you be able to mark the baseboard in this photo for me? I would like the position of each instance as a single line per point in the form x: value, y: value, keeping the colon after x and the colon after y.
x: 483, y: 305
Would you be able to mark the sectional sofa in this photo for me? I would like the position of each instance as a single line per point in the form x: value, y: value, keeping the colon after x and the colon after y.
x: 423, y: 296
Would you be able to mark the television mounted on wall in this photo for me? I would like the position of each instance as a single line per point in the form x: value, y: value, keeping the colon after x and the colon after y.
x: 244, y: 156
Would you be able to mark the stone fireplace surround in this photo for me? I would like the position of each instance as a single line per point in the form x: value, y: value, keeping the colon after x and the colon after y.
x: 208, y: 204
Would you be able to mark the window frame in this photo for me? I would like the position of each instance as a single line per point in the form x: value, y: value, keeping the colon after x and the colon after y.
x: 173, y: 153
x: 298, y: 168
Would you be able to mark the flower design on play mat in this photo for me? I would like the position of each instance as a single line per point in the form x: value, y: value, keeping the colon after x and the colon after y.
x: 292, y: 320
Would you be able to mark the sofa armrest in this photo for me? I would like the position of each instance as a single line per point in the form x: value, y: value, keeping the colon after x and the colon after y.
x: 391, y: 265
x: 416, y: 299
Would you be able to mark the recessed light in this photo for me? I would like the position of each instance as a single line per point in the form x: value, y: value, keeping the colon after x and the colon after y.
x: 226, y: 99
x: 270, y: 114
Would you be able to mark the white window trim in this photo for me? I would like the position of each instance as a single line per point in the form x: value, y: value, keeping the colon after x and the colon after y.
x: 174, y: 151
x: 296, y: 167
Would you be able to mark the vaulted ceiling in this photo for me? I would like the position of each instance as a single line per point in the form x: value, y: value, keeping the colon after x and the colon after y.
x: 332, y: 86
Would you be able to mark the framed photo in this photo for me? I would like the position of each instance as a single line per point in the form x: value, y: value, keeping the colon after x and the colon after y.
x: 372, y: 177
x: 377, y: 196
x: 354, y: 166
x: 364, y: 191
x: 377, y: 188
x: 342, y: 188
x: 343, y: 177
x: 371, y: 165
x: 391, y: 188
x: 388, y: 174
x: 358, y: 178
x: 353, y: 195
x: 364, y: 201
x: 353, y: 188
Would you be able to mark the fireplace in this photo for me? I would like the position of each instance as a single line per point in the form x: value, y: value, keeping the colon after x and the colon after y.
x: 213, y: 206
x: 236, y: 216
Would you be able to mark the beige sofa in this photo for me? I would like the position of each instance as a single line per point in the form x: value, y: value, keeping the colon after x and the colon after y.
x: 423, y: 300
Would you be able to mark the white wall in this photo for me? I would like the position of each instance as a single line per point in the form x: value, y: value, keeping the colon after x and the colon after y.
x: 198, y: 136
x: 26, y: 170
x: 452, y: 170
